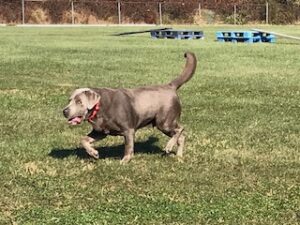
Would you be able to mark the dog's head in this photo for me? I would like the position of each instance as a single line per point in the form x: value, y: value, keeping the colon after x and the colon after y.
x: 81, y: 102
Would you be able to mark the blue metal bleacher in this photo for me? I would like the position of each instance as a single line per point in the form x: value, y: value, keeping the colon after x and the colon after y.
x: 177, y: 34
x: 244, y: 36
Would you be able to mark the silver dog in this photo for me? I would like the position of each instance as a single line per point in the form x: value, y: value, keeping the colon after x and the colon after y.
x: 123, y: 111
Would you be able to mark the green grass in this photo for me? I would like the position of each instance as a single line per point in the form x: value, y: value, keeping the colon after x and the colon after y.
x: 241, y: 113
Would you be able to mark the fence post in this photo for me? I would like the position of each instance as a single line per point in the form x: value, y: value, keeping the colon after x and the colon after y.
x: 160, y: 13
x: 23, y: 11
x: 234, y: 14
x: 267, y: 12
x: 199, y: 9
x: 119, y: 12
x: 72, y: 13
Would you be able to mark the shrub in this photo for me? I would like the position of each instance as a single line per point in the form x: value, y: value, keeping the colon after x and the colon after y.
x: 38, y: 16
x: 239, y: 19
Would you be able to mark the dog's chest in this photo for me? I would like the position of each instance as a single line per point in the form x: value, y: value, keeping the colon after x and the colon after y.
x: 105, y: 126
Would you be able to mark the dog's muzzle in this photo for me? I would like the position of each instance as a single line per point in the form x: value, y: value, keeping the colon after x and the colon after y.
x: 66, y: 112
x: 73, y: 120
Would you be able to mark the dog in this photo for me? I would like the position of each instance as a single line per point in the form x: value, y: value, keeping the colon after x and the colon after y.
x: 123, y: 111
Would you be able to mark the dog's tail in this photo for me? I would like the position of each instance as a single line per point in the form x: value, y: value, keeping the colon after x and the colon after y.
x: 188, y: 71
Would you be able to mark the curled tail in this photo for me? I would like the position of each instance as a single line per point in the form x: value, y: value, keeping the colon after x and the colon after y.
x: 188, y: 71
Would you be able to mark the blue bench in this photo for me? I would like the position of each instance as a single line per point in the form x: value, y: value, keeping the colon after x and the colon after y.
x: 266, y: 37
x: 244, y: 36
x: 177, y: 34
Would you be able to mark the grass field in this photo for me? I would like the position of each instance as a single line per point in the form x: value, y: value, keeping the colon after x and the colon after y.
x: 241, y: 113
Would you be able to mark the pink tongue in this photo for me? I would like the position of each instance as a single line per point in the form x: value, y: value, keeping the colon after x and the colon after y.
x: 75, y: 120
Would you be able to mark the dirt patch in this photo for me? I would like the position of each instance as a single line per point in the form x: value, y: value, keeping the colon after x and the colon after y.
x: 10, y: 91
x: 65, y: 85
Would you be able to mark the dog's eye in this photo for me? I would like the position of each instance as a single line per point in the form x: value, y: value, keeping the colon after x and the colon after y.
x: 78, y: 102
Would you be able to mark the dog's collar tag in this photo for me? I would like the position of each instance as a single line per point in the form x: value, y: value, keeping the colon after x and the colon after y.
x: 94, y: 112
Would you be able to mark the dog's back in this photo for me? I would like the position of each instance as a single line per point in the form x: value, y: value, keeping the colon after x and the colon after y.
x: 149, y: 102
x: 153, y: 103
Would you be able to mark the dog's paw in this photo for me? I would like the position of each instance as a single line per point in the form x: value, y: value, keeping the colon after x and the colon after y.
x: 126, y: 159
x: 94, y: 154
x: 180, y: 159
x: 168, y: 154
x: 170, y: 145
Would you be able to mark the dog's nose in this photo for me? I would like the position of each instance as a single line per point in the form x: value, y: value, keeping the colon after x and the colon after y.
x: 66, y: 112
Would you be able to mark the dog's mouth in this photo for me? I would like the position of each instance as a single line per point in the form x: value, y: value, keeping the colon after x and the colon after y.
x: 75, y: 120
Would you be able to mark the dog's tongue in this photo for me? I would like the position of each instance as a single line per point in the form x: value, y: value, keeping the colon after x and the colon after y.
x: 75, y: 120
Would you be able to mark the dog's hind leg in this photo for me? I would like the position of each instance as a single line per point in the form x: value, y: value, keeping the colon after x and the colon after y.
x: 180, y: 143
x: 129, y: 145
x: 88, y: 140
x: 174, y: 131
x: 174, y: 140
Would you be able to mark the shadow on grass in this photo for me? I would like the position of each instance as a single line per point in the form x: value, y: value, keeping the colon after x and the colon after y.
x: 117, y: 151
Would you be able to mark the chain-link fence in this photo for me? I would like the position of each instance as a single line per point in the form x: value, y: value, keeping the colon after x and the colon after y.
x: 149, y: 12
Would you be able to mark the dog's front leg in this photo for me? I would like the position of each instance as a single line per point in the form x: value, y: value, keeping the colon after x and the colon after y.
x: 129, y: 145
x: 88, y: 140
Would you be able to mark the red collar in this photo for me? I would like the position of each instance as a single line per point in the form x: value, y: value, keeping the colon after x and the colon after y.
x: 94, y: 112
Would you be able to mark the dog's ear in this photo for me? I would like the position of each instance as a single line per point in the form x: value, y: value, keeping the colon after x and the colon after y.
x: 92, y: 98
